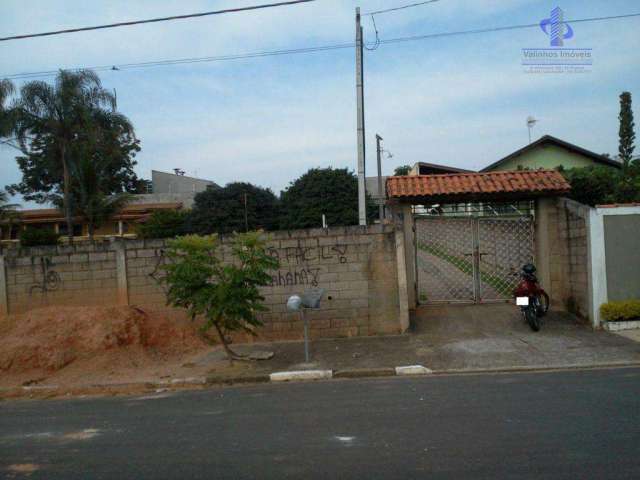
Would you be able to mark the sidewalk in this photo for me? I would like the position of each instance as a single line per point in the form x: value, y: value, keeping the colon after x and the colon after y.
x: 561, y: 343
x: 445, y: 340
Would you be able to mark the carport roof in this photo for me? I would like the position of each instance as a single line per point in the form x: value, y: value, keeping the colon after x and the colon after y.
x: 492, y: 186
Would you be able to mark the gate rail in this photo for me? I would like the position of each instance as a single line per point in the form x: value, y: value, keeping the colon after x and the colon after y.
x: 470, y: 259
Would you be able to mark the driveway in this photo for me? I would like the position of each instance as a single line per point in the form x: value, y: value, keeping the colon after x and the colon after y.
x: 495, y: 336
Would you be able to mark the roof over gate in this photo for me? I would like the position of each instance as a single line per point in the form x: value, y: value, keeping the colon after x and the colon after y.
x: 492, y: 186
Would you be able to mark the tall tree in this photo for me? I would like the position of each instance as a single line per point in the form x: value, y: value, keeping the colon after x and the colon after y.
x: 6, y: 113
x: 402, y: 170
x: 238, y: 207
x: 88, y: 198
x: 332, y: 192
x: 52, y: 122
x: 6, y: 209
x: 627, y: 133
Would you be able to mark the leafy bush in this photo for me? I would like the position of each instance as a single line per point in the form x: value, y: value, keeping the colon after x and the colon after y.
x: 602, y: 185
x: 623, y: 310
x: 33, y: 237
x: 165, y: 224
x: 227, y: 295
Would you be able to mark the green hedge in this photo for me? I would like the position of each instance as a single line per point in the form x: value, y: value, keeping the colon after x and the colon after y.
x: 624, y: 310
x: 34, y: 237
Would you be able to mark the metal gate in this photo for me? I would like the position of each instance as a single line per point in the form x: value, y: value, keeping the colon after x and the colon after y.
x: 470, y: 259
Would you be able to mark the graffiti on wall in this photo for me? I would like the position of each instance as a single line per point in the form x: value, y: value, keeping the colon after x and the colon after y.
x: 294, y: 263
x: 50, y: 279
x: 303, y: 255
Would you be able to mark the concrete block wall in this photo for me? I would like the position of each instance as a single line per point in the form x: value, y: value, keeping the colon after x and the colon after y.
x: 356, y: 265
x: 570, y: 257
x: 82, y: 274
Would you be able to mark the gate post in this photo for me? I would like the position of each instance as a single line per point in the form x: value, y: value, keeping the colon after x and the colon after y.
x: 404, y: 223
x: 544, y: 209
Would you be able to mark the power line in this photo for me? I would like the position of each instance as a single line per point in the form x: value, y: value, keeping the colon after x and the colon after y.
x: 501, y: 29
x: 271, y: 53
x: 401, y: 7
x: 154, y: 20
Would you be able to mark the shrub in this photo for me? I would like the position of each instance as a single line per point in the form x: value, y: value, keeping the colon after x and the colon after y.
x: 623, y: 310
x: 165, y: 224
x: 226, y: 295
x: 33, y: 237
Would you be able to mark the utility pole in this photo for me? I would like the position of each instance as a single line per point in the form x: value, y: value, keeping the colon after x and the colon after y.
x: 362, y: 194
x: 381, y: 196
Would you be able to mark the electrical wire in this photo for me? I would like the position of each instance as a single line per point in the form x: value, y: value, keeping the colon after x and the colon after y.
x: 403, y: 7
x: 271, y: 53
x: 154, y: 20
x: 377, y: 42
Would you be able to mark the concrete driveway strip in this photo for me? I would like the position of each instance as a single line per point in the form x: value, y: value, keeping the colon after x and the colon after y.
x: 561, y: 425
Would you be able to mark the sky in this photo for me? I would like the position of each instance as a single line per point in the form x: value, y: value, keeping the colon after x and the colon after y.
x: 460, y: 101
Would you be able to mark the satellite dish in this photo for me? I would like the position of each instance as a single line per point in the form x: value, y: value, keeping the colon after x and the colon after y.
x: 531, y: 122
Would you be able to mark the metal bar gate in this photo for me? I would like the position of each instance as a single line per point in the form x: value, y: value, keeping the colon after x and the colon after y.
x: 470, y: 259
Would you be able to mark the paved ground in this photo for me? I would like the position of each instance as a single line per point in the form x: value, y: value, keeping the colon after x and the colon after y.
x: 562, y: 425
x: 461, y: 337
x: 630, y: 334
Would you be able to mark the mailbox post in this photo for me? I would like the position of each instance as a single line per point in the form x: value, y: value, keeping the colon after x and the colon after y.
x: 296, y: 303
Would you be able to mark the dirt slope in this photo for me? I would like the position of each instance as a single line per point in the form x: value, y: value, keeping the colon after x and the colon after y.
x: 89, y: 340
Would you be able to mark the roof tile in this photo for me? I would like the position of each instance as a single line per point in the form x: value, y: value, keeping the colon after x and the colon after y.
x: 493, y: 183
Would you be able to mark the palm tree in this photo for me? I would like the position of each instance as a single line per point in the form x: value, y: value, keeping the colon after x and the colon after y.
x: 87, y: 192
x: 6, y: 114
x: 7, y: 211
x: 60, y: 113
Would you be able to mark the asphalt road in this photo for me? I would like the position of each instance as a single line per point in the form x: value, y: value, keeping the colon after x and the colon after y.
x: 569, y: 425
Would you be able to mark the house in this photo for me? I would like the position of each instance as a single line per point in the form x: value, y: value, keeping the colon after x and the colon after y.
x: 170, y: 192
x: 548, y: 153
x: 423, y: 168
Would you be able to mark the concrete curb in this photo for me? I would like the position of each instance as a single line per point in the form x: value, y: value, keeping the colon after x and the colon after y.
x: 48, y: 391
x: 413, y: 370
x: 298, y: 375
x: 364, y: 372
x: 537, y: 368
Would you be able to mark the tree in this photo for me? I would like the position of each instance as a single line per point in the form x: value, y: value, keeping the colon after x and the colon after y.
x: 626, y: 133
x: 222, y: 210
x: 328, y: 191
x: 227, y: 295
x: 6, y: 209
x: 57, y: 122
x: 88, y: 198
x: 6, y: 113
x: 402, y: 170
x: 165, y: 224
x: 601, y: 185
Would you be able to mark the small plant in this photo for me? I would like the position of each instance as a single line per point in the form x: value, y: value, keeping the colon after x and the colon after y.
x: 34, y: 237
x: 227, y: 295
x: 165, y: 224
x: 623, y: 310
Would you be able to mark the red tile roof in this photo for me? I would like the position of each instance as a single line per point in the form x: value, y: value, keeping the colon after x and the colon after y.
x: 479, y: 186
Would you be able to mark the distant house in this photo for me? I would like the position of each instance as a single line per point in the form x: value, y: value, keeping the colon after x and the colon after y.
x: 170, y: 192
x: 548, y: 153
x: 422, y: 168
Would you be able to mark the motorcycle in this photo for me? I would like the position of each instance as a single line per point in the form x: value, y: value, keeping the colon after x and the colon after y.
x: 531, y: 298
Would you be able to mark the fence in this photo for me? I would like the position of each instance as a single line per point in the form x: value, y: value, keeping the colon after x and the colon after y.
x: 594, y: 259
x: 356, y: 265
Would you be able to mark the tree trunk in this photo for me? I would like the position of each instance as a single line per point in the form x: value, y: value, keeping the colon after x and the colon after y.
x: 230, y: 353
x: 65, y: 193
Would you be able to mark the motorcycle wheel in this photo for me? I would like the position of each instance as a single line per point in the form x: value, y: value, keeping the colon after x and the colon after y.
x: 532, y: 318
x: 543, y: 304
